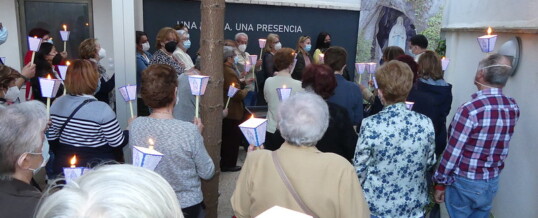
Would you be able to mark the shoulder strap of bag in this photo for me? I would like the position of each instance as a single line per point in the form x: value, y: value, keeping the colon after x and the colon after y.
x: 73, y: 114
x: 286, y: 181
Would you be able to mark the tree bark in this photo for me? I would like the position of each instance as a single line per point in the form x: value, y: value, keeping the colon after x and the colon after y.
x: 212, y: 41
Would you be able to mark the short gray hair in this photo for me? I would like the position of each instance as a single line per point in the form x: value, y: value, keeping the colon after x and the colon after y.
x: 228, y: 52
x: 240, y: 34
x: 496, y: 69
x: 108, y: 192
x: 22, y: 128
x: 304, y: 118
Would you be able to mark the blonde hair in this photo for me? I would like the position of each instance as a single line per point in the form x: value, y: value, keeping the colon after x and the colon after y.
x: 82, y: 78
x: 88, y: 48
x: 302, y: 39
x: 163, y: 34
x: 271, y: 38
x: 395, y: 80
x: 118, y: 191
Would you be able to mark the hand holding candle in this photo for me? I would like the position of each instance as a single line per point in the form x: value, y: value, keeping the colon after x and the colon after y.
x: 198, y: 84
x: 33, y: 44
x: 231, y: 92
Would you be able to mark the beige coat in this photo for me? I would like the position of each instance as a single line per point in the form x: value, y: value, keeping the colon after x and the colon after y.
x: 326, y: 182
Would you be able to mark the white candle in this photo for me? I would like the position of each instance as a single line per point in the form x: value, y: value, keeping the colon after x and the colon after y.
x: 151, y: 144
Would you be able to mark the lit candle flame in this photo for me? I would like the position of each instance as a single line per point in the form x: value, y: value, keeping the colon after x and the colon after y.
x: 284, y: 86
x: 489, y: 31
x: 49, y: 77
x: 151, y: 144
x: 35, y: 37
x: 65, y: 27
x: 67, y: 63
x: 233, y: 84
x: 443, y: 58
x: 251, y: 117
x: 73, y: 161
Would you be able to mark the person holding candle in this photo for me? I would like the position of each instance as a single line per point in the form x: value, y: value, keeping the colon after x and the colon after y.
x: 23, y: 152
x: 142, y: 62
x: 418, y: 45
x: 272, y: 45
x: 282, y: 79
x: 325, y: 182
x: 11, y: 82
x: 185, y: 161
x: 323, y: 42
x: 395, y: 149
x: 82, y: 125
x: 167, y: 40
x: 113, y: 191
x: 340, y: 137
x: 243, y: 59
x: 231, y: 134
x: 91, y: 50
x: 304, y: 45
x: 45, y: 68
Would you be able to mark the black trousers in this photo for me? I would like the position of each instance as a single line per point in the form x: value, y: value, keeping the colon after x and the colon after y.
x: 231, y: 140
x: 192, y: 211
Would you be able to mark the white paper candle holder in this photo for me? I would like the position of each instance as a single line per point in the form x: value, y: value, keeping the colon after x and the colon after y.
x: 63, y: 71
x: 198, y: 84
x: 34, y: 43
x: 372, y: 67
x: 444, y: 63
x: 146, y: 158
x: 72, y: 173
x: 360, y: 67
x: 65, y: 35
x: 248, y: 66
x: 277, y: 211
x: 253, y: 59
x: 262, y: 42
x: 232, y: 90
x: 321, y: 58
x: 128, y: 92
x: 3, y: 60
x: 409, y: 105
x: 254, y: 130
x: 487, y: 43
x: 283, y: 93
x: 49, y: 87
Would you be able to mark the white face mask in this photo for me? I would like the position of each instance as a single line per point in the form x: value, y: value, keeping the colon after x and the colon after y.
x: 44, y: 154
x: 278, y: 46
x: 102, y: 53
x: 145, y: 46
x: 12, y: 93
x: 242, y: 47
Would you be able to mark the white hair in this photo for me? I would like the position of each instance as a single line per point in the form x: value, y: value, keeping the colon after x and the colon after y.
x: 228, y: 52
x: 304, y: 118
x: 118, y: 191
x: 239, y: 35
x: 21, y: 128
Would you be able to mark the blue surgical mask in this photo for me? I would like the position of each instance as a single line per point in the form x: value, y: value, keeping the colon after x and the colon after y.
x: 187, y: 44
x: 44, y: 154
x: 50, y: 41
x: 308, y: 47
x: 236, y: 60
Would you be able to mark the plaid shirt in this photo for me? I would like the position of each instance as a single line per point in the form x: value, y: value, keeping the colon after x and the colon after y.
x: 478, y: 137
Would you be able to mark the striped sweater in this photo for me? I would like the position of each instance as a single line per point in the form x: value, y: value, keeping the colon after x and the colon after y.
x: 94, y: 125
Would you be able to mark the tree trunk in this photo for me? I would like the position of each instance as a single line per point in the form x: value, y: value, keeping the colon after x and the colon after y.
x: 212, y: 41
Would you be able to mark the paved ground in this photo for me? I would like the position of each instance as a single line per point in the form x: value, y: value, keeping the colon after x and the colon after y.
x: 226, y: 188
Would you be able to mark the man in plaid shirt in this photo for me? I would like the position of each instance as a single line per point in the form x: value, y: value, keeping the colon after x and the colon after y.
x: 479, y: 137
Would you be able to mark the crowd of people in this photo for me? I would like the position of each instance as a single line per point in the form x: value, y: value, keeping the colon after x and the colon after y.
x: 335, y: 148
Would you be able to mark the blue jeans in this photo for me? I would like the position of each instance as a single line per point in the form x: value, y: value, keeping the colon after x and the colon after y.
x: 470, y: 198
x: 250, y: 99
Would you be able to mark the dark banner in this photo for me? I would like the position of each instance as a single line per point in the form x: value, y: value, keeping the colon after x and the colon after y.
x: 258, y: 21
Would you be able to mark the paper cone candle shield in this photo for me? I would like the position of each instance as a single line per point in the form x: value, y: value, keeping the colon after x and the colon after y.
x: 283, y: 93
x: 371, y: 67
x: 262, y: 42
x: 128, y: 92
x: 63, y: 71
x: 248, y: 66
x: 146, y: 157
x: 198, y: 84
x: 253, y: 59
x: 65, y: 35
x: 360, y: 67
x: 487, y: 43
x: 254, y: 130
x: 49, y: 87
x: 232, y: 90
x: 73, y: 172
x: 277, y: 211
x: 34, y: 43
x: 444, y: 63
x: 409, y: 105
x: 3, y: 59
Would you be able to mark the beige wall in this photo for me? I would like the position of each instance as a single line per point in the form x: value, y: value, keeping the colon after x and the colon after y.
x: 518, y: 188
x: 11, y: 49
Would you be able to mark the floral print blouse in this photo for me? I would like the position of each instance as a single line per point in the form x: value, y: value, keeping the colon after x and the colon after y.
x: 394, y: 151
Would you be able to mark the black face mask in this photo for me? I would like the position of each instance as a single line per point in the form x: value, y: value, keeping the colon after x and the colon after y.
x: 326, y: 44
x: 170, y: 46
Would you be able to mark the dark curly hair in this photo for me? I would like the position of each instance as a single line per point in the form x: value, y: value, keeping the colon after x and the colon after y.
x: 159, y: 82
x: 320, y: 78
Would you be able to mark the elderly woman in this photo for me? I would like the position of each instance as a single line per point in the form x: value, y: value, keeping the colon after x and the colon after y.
x: 283, y: 63
x: 181, y: 51
x: 81, y: 125
x: 395, y: 149
x: 231, y: 134
x: 113, y: 191
x: 167, y: 40
x: 22, y: 154
x: 185, y: 158
x: 340, y: 138
x: 90, y: 49
x: 431, y: 82
x: 325, y: 182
